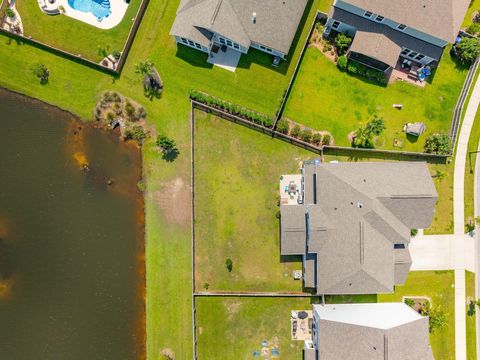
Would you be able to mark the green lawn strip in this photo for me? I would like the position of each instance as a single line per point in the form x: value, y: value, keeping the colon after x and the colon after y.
x: 234, y: 328
x: 438, y: 286
x: 471, y: 160
x: 314, y: 101
x: 467, y: 21
x: 471, y: 323
x: 73, y: 35
x: 237, y: 172
x: 350, y: 299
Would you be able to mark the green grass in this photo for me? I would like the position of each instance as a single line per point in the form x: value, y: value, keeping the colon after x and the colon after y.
x: 233, y: 328
x: 324, y: 98
x: 470, y: 162
x: 236, y: 192
x: 471, y: 324
x: 438, y: 286
x: 467, y: 21
x: 350, y: 299
x: 72, y: 35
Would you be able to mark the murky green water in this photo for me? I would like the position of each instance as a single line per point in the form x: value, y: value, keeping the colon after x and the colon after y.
x: 71, y: 245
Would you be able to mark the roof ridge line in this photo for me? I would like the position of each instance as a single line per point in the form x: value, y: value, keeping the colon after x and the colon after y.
x: 215, y: 12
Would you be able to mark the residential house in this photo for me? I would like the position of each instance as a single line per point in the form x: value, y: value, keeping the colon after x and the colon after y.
x: 352, y: 223
x: 386, y: 32
x: 210, y: 25
x: 376, y: 331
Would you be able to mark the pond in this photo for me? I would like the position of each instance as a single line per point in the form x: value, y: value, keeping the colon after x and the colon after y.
x: 71, y: 238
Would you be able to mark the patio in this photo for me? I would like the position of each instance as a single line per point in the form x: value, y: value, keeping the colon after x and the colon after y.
x: 301, y: 324
x: 408, y: 73
x: 290, y: 189
x: 224, y: 57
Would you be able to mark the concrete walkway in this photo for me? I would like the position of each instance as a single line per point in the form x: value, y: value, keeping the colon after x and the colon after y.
x: 459, y: 223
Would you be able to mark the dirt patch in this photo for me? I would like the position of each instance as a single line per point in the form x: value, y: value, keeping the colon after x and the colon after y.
x: 232, y: 308
x: 174, y: 199
x: 168, y: 353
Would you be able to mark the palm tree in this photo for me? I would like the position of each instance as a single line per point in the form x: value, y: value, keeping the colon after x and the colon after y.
x: 144, y: 67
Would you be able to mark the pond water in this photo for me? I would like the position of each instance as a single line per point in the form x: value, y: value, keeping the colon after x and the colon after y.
x: 71, y: 238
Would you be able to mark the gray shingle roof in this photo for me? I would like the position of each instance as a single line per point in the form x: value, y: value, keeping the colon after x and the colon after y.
x: 440, y: 18
x: 275, y: 26
x: 362, y: 210
x: 382, y: 42
x: 407, y: 336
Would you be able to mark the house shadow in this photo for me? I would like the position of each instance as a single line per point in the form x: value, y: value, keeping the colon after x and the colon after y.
x: 193, y: 57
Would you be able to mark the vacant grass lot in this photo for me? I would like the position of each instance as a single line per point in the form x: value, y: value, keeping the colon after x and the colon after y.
x: 471, y: 326
x: 438, y: 286
x: 234, y: 328
x: 470, y: 169
x: 72, y: 35
x: 325, y: 98
x: 237, y: 173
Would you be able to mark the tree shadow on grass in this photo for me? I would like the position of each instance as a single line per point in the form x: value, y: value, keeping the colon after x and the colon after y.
x: 171, y: 155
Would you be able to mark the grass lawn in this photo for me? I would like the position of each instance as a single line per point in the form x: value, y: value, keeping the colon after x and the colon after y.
x: 233, y: 328
x: 437, y: 285
x: 471, y: 325
x: 470, y: 176
x: 474, y: 5
x: 314, y: 101
x: 72, y: 35
x: 238, y: 219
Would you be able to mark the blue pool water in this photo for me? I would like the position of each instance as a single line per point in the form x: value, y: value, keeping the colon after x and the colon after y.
x: 99, y: 8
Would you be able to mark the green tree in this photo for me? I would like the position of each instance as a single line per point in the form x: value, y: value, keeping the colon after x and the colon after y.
x: 468, y: 49
x: 363, y: 138
x: 317, y: 138
x: 342, y: 62
x: 103, y: 51
x: 168, y: 147
x: 342, y: 42
x: 438, y: 144
x: 296, y: 131
x: 283, y: 126
x: 229, y: 264
x: 144, y: 67
x: 376, y: 125
x: 437, y: 318
x: 41, y: 72
x: 326, y: 139
x: 306, y: 135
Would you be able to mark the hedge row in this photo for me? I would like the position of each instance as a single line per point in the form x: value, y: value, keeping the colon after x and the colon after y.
x: 233, y: 109
x: 354, y: 67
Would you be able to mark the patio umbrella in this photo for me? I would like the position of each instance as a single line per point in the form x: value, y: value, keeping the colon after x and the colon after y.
x: 302, y: 315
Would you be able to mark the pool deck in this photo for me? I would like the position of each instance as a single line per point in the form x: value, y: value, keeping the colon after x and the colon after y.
x: 118, y: 9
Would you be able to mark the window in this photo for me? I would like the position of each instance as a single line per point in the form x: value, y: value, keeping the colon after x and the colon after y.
x: 184, y: 41
x: 191, y: 43
x: 368, y: 14
x: 222, y: 40
x: 229, y: 43
x: 269, y: 50
x: 399, y: 246
x: 335, y: 24
x: 412, y: 54
x: 419, y: 57
x: 263, y: 47
x: 405, y: 51
x: 401, y: 27
x: 379, y: 18
x: 198, y: 46
x: 236, y: 46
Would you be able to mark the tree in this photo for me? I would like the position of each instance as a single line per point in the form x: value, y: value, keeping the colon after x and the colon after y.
x: 306, y: 135
x: 342, y: 62
x: 437, y: 318
x: 342, y: 42
x: 438, y: 144
x: 376, y: 125
x: 103, y: 51
x: 144, y: 67
x: 168, y: 146
x: 41, y: 72
x: 363, y: 138
x: 468, y: 49
x: 327, y: 138
x: 229, y: 264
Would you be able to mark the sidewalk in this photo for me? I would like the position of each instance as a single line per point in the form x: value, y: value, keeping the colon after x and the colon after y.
x: 459, y: 222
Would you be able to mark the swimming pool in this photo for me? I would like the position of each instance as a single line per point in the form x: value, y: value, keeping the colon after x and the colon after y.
x: 99, y: 8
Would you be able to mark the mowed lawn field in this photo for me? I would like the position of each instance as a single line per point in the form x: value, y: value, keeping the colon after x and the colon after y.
x: 470, y: 311
x: 234, y: 328
x: 72, y: 35
x: 438, y: 286
x: 324, y: 98
x: 237, y: 176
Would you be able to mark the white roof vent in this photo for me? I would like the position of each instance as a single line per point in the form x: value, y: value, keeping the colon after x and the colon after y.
x: 359, y: 205
x: 254, y: 18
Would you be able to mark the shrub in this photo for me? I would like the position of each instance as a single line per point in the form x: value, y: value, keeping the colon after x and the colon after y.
x: 342, y: 62
x: 130, y: 110
x: 413, y: 232
x: 144, y: 67
x: 437, y: 318
x: 9, y: 13
x: 376, y: 125
x: 166, y: 144
x: 136, y: 133
x: 140, y: 113
x: 103, y: 51
x: 41, y: 72
x: 317, y: 138
x: 342, y: 41
x: 438, y: 144
x: 468, y: 50
x: 306, y: 135
x: 229, y: 264
x: 409, y: 302
x: 283, y: 126
x: 296, y: 131
x: 327, y: 138
x: 474, y: 29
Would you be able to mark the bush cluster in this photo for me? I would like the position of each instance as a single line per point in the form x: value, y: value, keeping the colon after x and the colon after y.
x: 356, y: 68
x: 438, y: 144
x: 233, y: 109
x: 364, y: 135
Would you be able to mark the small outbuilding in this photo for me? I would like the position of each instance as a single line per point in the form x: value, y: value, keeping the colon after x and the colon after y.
x: 415, y: 129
